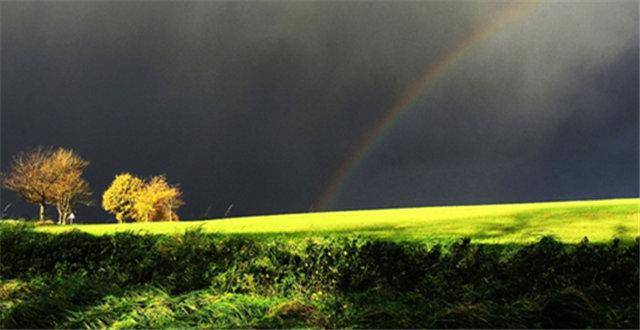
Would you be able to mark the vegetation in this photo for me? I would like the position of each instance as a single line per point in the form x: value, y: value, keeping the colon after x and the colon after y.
x: 600, y: 220
x: 157, y: 201
x: 529, y: 266
x: 78, y: 280
x: 70, y: 189
x: 54, y: 177
x: 119, y: 198
x: 47, y: 177
x: 131, y: 198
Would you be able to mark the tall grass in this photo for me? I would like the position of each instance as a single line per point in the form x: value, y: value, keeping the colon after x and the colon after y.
x: 78, y: 280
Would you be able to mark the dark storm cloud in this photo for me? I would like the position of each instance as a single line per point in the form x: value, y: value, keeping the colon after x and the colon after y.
x: 256, y: 104
x: 545, y: 110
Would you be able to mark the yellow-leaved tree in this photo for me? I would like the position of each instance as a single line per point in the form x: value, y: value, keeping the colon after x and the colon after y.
x: 131, y: 198
x: 158, y: 201
x: 70, y: 189
x: 31, y: 178
x: 119, y: 198
x: 44, y: 177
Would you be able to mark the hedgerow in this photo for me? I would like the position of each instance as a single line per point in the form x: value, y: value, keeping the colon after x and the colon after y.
x: 75, y: 280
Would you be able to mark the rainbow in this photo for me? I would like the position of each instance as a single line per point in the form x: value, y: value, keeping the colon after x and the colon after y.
x: 410, y: 96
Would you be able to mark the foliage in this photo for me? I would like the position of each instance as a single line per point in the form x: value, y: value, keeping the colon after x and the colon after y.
x: 31, y: 178
x: 157, y: 201
x: 119, y: 198
x: 70, y: 189
x: 44, y: 223
x: 131, y: 198
x: 76, y: 280
x: 44, y: 176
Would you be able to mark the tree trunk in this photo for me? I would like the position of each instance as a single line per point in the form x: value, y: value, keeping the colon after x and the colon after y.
x: 64, y: 215
x: 41, y: 212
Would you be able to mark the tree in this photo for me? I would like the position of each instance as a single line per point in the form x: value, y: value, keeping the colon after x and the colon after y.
x: 31, y: 177
x: 44, y: 177
x: 70, y: 189
x: 158, y: 201
x: 120, y: 197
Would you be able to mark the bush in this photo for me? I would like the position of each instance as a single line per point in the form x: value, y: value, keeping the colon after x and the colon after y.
x: 73, y: 278
x: 45, y: 223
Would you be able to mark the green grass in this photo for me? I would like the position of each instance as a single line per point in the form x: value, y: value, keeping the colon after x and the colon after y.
x: 221, y: 277
x: 599, y: 220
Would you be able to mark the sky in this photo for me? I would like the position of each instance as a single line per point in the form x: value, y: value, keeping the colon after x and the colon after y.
x: 260, y: 105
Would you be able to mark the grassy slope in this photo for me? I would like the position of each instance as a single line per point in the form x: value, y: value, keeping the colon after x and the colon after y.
x: 600, y: 220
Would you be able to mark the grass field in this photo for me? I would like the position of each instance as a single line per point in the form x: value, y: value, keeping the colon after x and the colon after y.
x: 599, y: 220
x: 263, y: 272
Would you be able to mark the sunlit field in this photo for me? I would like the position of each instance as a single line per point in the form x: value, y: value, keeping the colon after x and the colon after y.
x: 396, y: 268
x: 352, y: 165
x: 570, y: 222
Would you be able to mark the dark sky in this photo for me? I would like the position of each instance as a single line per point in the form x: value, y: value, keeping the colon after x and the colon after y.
x: 257, y: 104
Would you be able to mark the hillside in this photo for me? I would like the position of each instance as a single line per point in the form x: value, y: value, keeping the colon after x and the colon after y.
x: 362, y: 269
x: 599, y: 220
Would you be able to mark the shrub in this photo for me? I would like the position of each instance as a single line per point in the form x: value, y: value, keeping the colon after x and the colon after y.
x: 44, y: 223
x: 119, y: 198
x: 73, y: 278
x: 131, y: 198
